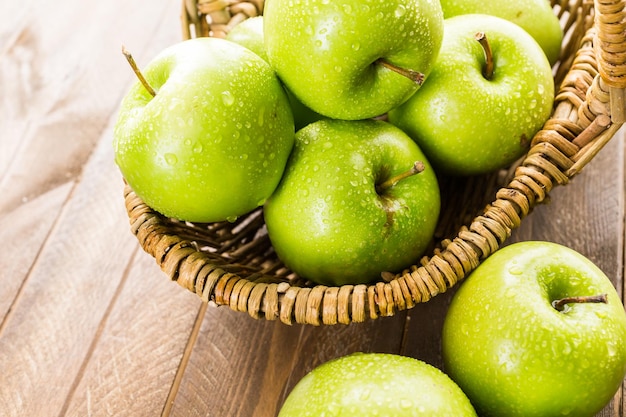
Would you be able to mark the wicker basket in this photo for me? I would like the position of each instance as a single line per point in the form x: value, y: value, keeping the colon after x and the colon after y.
x: 234, y: 264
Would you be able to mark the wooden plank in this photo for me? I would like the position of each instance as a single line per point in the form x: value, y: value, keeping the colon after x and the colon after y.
x: 23, y: 232
x: 81, y: 267
x: 67, y: 293
x: 142, y: 340
x: 62, y: 78
x: 245, y: 367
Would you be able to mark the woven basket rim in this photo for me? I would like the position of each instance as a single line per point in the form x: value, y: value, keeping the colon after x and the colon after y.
x: 588, y: 111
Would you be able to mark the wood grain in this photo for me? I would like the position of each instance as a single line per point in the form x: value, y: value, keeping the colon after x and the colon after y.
x: 23, y: 232
x: 65, y: 80
x: 58, y: 313
x: 139, y: 347
x: 88, y: 324
x: 79, y: 270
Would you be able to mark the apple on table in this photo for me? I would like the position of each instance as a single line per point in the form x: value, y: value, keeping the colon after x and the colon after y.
x: 537, y: 330
x: 376, y: 384
x: 490, y: 90
x: 206, y: 136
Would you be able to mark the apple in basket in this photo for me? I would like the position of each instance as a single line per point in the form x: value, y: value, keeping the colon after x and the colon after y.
x: 536, y: 330
x: 534, y: 16
x: 490, y: 91
x: 376, y: 384
x: 352, y: 59
x: 211, y: 141
x: 358, y: 198
x: 249, y: 33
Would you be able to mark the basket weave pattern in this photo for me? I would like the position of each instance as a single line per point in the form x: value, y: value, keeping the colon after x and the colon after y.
x: 234, y: 264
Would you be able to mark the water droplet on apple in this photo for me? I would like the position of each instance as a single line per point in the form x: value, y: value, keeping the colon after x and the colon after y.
x: 365, y: 395
x: 601, y: 314
x: 244, y: 156
x: 567, y: 349
x: 197, y: 147
x: 510, y: 293
x: 331, y: 410
x: 406, y: 404
x: 347, y: 8
x: 356, y: 46
x: 171, y: 159
x: 400, y: 11
x: 612, y: 351
x: 541, y: 89
x: 227, y: 98
x: 231, y: 219
x: 338, y: 68
x: 318, y: 43
x: 515, y: 270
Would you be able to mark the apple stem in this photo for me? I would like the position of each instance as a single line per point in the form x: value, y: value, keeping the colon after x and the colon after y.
x: 415, y: 76
x: 417, y: 167
x: 560, y: 304
x: 137, y: 72
x: 488, y: 68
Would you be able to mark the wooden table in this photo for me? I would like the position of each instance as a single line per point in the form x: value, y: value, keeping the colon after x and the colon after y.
x: 88, y: 324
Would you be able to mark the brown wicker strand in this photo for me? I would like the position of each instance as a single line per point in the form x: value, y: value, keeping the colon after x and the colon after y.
x: 611, y: 54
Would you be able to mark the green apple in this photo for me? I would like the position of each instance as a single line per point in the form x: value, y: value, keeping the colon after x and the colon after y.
x: 352, y: 203
x: 534, y: 16
x: 249, y: 33
x: 302, y: 115
x: 352, y: 59
x: 376, y: 384
x: 537, y: 330
x: 213, y: 142
x: 484, y: 100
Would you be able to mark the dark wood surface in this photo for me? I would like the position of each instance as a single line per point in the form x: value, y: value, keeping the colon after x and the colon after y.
x: 88, y: 324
